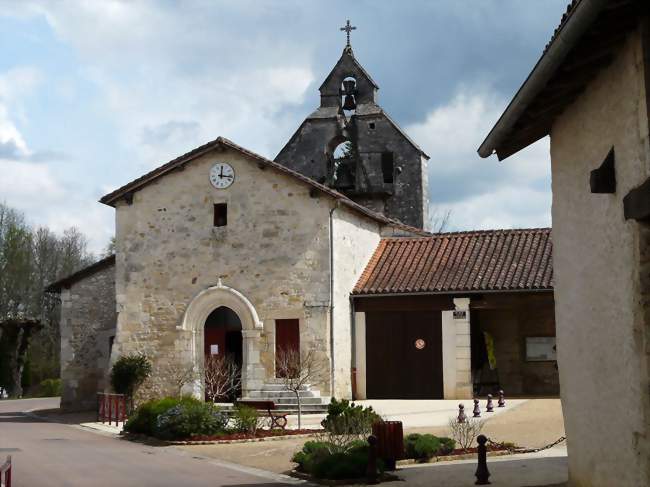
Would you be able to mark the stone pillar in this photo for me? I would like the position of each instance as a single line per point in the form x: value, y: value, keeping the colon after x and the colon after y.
x: 448, y: 355
x: 360, y: 353
x: 463, y: 349
x: 253, y: 372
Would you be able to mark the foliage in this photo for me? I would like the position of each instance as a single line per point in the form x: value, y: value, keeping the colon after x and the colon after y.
x: 426, y: 446
x: 222, y: 377
x: 31, y: 259
x: 143, y: 419
x: 178, y: 372
x: 465, y: 433
x: 326, y: 461
x: 297, y: 370
x: 129, y: 372
x: 50, y: 388
x: 246, y: 419
x: 344, y: 417
x: 190, y: 418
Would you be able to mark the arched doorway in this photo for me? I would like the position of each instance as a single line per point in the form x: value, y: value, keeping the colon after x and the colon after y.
x: 194, y: 323
x: 222, y: 340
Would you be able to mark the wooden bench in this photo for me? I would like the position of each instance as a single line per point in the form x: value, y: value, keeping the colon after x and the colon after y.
x: 278, y: 420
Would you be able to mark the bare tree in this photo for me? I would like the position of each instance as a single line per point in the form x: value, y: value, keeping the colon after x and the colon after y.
x: 297, y: 371
x: 222, y: 376
x: 438, y: 220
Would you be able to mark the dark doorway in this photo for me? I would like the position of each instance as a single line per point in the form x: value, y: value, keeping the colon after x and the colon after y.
x: 222, y: 335
x: 404, y: 355
x: 287, y: 338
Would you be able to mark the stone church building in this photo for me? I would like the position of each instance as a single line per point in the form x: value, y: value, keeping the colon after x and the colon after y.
x: 223, y: 251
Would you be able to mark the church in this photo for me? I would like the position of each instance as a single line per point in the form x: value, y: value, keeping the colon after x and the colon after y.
x: 325, y: 249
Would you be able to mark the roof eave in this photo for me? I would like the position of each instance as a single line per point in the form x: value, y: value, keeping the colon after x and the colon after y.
x: 581, y: 16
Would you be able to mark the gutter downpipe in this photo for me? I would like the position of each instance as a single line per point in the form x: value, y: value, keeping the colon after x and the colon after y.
x: 331, y: 236
x: 574, y: 27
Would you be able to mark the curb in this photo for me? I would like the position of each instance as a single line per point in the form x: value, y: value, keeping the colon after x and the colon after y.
x: 451, y: 458
x: 243, y: 440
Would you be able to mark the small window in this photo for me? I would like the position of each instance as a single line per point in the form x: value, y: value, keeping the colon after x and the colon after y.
x: 371, y: 125
x: 220, y: 215
x: 111, y: 340
x: 387, y: 167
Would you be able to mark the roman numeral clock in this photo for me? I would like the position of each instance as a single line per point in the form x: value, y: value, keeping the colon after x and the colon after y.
x: 222, y: 175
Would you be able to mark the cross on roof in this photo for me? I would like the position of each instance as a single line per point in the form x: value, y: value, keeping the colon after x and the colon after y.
x: 348, y: 28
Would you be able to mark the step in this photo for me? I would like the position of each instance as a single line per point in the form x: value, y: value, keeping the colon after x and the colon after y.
x: 292, y: 400
x: 282, y: 387
x: 281, y: 394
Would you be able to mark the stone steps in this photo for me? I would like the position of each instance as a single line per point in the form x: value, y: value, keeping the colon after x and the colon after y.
x: 286, y: 401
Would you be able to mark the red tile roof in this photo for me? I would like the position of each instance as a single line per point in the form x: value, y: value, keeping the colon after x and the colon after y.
x: 491, y: 260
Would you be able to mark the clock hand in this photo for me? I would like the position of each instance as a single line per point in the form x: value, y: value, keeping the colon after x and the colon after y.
x: 221, y: 173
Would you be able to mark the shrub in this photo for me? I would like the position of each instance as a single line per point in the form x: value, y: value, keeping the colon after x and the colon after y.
x: 346, y: 418
x: 189, y: 418
x: 447, y: 445
x: 324, y: 460
x: 143, y: 419
x: 426, y: 446
x: 465, y: 433
x: 129, y: 372
x: 50, y: 388
x: 246, y: 419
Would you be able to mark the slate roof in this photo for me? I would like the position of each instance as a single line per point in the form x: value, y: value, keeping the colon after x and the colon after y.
x: 67, y: 281
x: 111, y: 198
x: 490, y: 260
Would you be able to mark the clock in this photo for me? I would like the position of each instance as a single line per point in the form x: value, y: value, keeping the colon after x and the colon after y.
x: 222, y: 175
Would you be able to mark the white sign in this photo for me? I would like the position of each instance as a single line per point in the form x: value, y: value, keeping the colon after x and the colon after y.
x: 540, y: 349
x: 214, y: 349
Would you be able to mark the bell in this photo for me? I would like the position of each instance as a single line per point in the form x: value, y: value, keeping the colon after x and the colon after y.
x: 348, y: 86
x: 349, y: 103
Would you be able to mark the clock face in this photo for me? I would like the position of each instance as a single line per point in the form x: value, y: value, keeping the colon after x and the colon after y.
x: 222, y: 175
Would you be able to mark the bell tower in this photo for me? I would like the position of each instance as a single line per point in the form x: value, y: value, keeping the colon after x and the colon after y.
x: 350, y: 144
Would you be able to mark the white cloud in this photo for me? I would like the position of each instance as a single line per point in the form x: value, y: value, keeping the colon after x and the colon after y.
x: 482, y: 193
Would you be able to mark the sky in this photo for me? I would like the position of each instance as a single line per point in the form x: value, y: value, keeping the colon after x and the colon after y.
x: 95, y: 93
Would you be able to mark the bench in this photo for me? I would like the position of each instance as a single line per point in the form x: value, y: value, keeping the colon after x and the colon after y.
x: 277, y: 419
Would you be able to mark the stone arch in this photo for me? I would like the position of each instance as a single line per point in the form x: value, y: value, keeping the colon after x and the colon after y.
x: 196, y: 314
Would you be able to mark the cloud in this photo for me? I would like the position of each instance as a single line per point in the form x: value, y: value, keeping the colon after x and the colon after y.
x: 482, y: 193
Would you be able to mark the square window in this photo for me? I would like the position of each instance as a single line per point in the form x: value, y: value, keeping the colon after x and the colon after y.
x: 371, y: 125
x: 220, y: 214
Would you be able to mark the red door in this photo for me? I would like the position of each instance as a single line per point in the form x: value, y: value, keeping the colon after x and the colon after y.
x: 287, y: 337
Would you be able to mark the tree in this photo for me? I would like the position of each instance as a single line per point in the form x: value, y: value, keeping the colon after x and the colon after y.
x: 297, y: 371
x: 222, y: 377
x: 178, y: 373
x: 438, y: 220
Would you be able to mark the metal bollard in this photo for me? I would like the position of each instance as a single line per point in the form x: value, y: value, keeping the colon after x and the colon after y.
x: 477, y: 409
x: 489, y: 406
x: 462, y: 418
x: 482, y: 473
x: 502, y: 401
x: 371, y: 470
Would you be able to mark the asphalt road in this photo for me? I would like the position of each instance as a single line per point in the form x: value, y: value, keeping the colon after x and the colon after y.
x: 52, y: 454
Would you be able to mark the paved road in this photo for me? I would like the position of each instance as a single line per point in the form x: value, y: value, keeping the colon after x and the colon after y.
x: 52, y: 454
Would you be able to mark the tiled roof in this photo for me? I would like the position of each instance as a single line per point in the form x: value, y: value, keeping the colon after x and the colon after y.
x: 111, y: 198
x: 491, y: 260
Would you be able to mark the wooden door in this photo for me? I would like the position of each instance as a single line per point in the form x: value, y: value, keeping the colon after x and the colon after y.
x: 287, y: 337
x: 404, y: 355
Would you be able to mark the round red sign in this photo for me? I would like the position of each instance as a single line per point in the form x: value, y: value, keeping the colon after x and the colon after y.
x: 420, y: 344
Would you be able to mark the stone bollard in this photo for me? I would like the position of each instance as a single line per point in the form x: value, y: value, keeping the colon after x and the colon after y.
x: 371, y: 470
x: 477, y: 409
x: 489, y: 407
x: 502, y: 401
x: 482, y: 473
x: 462, y: 418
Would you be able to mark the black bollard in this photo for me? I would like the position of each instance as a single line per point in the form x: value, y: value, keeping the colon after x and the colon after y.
x: 502, y: 401
x: 371, y: 470
x: 477, y: 409
x: 461, y: 414
x: 482, y: 473
x: 489, y: 407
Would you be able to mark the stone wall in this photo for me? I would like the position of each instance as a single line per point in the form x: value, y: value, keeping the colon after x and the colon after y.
x: 274, y: 252
x: 527, y: 316
x: 600, y: 322
x: 355, y: 239
x: 87, y: 324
